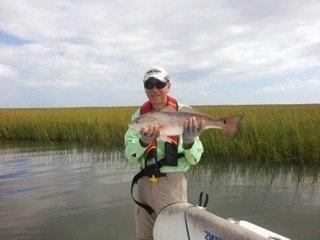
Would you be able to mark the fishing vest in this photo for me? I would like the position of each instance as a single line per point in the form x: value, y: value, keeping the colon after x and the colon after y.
x: 171, y: 149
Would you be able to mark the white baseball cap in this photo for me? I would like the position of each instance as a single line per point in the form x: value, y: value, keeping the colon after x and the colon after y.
x: 156, y: 72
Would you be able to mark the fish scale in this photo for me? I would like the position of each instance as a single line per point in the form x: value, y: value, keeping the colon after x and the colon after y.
x: 173, y: 130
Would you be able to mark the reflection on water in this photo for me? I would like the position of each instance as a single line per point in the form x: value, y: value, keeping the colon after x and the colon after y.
x: 284, y: 199
x: 63, y: 193
x: 302, y: 182
x: 67, y: 192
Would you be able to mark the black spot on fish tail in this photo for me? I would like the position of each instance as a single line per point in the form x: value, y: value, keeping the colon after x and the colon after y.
x: 230, y: 126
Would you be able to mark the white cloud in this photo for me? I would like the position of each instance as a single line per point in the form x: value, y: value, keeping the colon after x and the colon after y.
x: 109, y: 44
x: 292, y: 86
x: 6, y: 71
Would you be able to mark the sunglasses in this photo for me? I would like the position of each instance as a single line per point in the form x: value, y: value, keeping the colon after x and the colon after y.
x: 151, y: 83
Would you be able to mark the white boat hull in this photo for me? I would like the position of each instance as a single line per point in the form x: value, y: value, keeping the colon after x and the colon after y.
x: 183, y: 221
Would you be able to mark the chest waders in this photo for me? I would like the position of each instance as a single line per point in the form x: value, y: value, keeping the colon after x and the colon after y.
x: 152, y: 164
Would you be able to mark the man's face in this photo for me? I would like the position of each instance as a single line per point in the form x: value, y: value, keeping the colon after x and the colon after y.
x: 157, y: 95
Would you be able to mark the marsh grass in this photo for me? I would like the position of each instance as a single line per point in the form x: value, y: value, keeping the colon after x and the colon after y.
x: 278, y: 134
x: 104, y: 126
x: 268, y: 133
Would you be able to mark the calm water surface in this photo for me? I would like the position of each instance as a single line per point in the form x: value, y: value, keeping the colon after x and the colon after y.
x: 67, y: 192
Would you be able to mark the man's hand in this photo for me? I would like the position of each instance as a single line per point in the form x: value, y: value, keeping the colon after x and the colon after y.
x: 191, y: 130
x: 148, y: 135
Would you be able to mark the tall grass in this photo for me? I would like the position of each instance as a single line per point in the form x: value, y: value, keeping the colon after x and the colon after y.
x: 280, y: 133
x: 277, y: 134
x: 104, y: 126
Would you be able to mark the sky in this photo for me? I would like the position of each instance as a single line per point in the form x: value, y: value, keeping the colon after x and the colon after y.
x: 95, y: 53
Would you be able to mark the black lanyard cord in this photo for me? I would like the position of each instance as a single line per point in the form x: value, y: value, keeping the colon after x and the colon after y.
x: 186, y: 221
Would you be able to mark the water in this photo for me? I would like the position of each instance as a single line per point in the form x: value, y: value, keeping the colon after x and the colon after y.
x: 67, y: 192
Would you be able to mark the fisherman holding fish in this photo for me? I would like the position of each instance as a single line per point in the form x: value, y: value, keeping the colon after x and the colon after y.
x: 163, y: 139
x: 162, y: 156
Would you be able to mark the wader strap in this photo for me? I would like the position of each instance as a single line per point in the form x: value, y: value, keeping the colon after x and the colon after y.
x: 143, y: 173
x: 134, y: 181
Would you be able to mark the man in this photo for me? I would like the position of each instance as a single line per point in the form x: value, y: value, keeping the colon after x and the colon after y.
x: 165, y: 162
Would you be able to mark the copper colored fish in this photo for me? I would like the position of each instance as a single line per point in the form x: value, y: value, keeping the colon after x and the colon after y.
x: 171, y: 122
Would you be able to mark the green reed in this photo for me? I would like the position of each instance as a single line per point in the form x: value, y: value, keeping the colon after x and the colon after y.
x: 272, y: 134
x: 103, y: 126
x: 268, y: 133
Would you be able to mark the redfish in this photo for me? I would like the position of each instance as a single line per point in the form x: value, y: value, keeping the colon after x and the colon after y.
x: 171, y: 122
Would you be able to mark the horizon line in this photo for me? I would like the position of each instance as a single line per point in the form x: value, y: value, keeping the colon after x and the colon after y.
x: 195, y: 105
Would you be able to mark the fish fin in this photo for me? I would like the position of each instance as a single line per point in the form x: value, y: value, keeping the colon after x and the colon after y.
x: 230, y: 125
x: 188, y: 109
x: 164, y: 137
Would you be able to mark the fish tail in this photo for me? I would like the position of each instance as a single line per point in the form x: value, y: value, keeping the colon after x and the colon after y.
x: 230, y: 125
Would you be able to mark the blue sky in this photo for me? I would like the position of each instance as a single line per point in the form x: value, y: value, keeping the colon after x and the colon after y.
x: 94, y: 53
